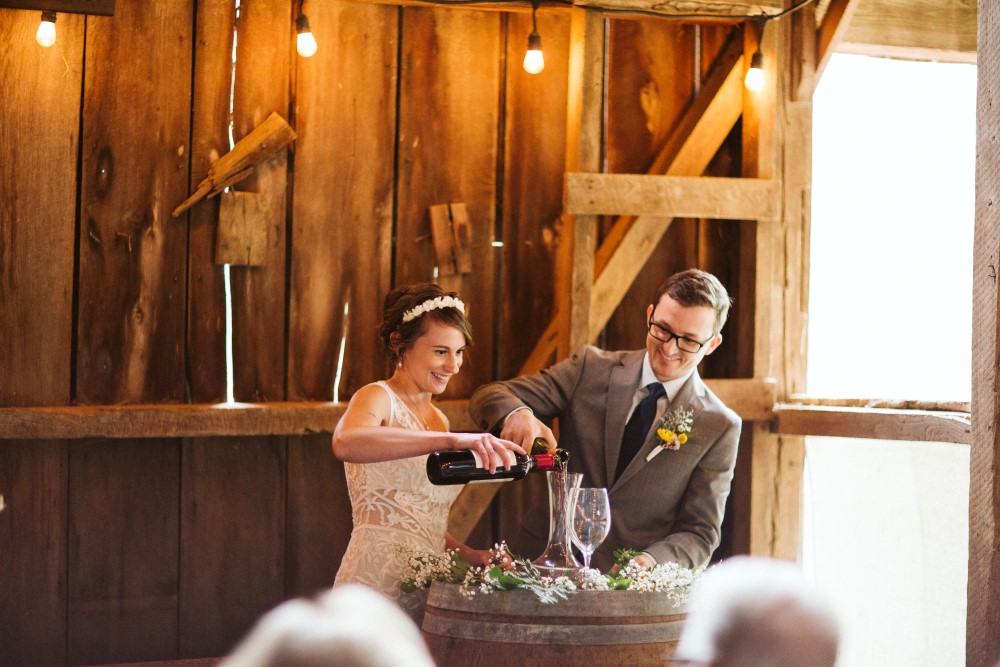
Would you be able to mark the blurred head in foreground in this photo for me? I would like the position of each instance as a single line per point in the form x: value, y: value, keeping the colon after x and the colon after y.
x: 349, y: 626
x: 758, y: 612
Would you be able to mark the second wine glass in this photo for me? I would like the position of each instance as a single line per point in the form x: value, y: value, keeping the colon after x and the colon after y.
x: 591, y: 520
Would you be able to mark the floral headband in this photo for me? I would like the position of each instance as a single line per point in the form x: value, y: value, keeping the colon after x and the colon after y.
x: 433, y: 304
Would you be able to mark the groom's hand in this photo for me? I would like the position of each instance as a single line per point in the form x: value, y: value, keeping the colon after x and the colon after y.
x: 522, y: 427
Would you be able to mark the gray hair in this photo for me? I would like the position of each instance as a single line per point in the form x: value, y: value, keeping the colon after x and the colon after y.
x: 758, y: 612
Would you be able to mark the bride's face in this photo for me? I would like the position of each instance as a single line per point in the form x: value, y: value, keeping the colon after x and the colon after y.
x: 435, y: 357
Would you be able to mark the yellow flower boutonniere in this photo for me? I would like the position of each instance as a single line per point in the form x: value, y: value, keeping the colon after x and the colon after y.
x: 675, y: 427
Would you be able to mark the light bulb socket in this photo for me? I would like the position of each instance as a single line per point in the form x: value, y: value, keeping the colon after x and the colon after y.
x: 49, y: 15
x: 302, y: 24
x: 534, y: 41
x: 757, y: 60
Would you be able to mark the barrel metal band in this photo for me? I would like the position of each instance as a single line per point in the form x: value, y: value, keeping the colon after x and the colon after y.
x: 525, y: 633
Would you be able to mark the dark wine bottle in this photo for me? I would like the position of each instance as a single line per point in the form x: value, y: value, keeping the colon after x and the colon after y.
x: 466, y: 466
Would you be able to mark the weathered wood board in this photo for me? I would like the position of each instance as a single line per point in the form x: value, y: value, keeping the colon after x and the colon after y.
x: 34, y: 483
x: 136, y: 121
x: 342, y: 236
x: 232, y: 553
x: 982, y: 643
x: 206, y: 292
x: 534, y: 161
x: 261, y: 86
x: 448, y: 149
x: 123, y: 539
x: 318, y: 514
x: 39, y: 136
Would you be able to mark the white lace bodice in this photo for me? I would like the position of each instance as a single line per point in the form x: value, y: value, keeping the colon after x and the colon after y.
x: 393, y: 501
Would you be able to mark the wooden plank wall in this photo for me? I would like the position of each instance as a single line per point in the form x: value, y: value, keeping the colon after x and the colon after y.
x: 448, y: 148
x: 533, y: 162
x: 37, y: 237
x: 142, y: 549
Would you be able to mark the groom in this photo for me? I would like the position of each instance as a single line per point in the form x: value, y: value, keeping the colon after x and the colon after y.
x: 667, y: 492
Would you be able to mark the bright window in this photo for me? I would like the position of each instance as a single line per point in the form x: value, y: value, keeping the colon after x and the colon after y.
x: 893, y: 208
x: 885, y: 524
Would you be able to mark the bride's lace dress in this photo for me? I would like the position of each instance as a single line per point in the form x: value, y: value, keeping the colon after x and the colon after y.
x: 392, y: 501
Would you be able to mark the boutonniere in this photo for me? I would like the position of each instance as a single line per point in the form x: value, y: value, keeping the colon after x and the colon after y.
x: 673, y: 430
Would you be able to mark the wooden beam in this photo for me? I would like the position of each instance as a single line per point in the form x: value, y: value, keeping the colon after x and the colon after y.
x: 888, y: 403
x: 982, y: 643
x: 588, y: 37
x: 715, y: 11
x: 942, y: 30
x: 673, y: 196
x: 169, y: 420
x: 831, y: 31
x: 875, y: 423
x: 776, y: 144
x: 685, y: 8
x: 752, y: 399
x: 95, y: 7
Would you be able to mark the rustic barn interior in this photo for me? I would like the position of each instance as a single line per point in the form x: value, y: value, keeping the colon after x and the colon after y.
x: 165, y: 483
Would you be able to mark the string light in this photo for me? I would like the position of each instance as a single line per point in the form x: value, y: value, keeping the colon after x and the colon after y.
x: 305, y: 43
x: 754, y: 79
x: 534, y: 60
x: 46, y: 35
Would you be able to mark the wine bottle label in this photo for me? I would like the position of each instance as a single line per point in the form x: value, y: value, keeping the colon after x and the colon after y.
x: 490, y: 481
x: 479, y: 459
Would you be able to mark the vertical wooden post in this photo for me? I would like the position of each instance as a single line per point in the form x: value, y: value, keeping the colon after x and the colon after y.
x: 982, y: 644
x: 777, y: 142
x: 575, y: 273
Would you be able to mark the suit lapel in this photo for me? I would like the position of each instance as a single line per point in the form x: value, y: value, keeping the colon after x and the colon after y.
x: 621, y: 388
x: 689, y: 398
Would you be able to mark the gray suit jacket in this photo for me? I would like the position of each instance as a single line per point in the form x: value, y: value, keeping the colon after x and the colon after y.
x: 670, y: 506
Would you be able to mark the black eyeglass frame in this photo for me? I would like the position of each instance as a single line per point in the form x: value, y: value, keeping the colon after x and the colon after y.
x: 675, y: 337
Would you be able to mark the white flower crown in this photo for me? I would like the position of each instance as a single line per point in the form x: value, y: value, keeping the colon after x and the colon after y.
x: 433, y: 304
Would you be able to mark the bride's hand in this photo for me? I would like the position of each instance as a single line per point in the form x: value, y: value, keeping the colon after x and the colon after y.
x: 495, y: 452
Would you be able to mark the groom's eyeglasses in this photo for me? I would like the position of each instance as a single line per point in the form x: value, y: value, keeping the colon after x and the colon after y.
x: 665, y: 335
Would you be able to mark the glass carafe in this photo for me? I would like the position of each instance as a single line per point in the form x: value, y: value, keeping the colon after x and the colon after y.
x: 558, y: 558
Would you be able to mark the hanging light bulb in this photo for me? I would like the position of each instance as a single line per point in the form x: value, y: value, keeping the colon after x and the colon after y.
x: 46, y: 35
x: 754, y: 80
x: 305, y: 43
x: 534, y: 61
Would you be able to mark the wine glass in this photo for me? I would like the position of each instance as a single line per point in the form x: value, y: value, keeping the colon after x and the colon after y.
x: 591, y: 520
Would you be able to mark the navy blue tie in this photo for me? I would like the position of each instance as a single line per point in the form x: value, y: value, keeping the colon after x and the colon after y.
x: 638, y: 426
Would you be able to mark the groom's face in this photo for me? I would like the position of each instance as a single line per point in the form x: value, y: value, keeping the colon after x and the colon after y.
x: 668, y: 320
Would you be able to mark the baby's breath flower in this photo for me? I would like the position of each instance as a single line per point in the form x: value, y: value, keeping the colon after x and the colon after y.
x: 589, y: 579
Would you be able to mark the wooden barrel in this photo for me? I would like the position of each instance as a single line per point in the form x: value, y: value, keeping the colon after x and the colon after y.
x: 513, y: 628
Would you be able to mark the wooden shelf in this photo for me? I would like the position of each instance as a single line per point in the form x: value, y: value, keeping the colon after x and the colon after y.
x: 876, y: 423
x: 752, y: 399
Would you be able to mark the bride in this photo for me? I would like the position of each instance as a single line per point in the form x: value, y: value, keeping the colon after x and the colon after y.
x: 388, y: 429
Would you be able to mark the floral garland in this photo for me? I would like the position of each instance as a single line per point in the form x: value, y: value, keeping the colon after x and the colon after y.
x: 420, y: 569
x: 433, y: 304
